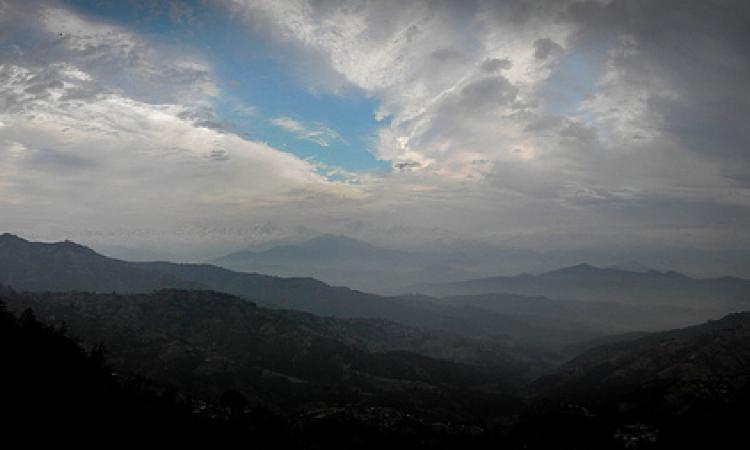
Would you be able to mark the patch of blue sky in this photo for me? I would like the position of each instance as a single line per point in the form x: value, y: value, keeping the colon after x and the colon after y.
x: 257, y: 85
x: 575, y: 78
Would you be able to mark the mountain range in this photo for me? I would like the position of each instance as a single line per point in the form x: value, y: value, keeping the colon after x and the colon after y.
x: 590, y: 283
x: 209, y: 335
x: 477, y: 370
x: 549, y: 325
x: 667, y: 390
x: 341, y: 260
x: 67, y: 266
x: 345, y: 261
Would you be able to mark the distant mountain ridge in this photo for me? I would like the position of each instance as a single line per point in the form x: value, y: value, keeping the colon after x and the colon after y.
x: 321, y: 247
x: 630, y: 266
x: 32, y: 266
x: 528, y: 322
x: 587, y: 282
x: 67, y: 266
x: 341, y: 260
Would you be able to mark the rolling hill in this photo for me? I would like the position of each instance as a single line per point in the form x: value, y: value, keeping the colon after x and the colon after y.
x: 204, y: 342
x: 683, y: 388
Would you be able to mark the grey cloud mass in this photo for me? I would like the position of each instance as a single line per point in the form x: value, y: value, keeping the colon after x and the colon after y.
x: 645, y: 140
x: 546, y: 48
x: 491, y: 65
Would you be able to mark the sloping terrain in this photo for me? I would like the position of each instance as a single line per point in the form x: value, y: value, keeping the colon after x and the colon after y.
x: 194, y: 338
x: 666, y: 390
x: 67, y: 266
x: 53, y: 391
x: 677, y: 389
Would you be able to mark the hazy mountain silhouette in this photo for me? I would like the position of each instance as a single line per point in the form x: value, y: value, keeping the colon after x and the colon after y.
x: 614, y: 317
x: 345, y: 261
x: 457, y: 361
x: 327, y: 247
x: 340, y: 260
x: 68, y: 266
x: 630, y: 266
x: 586, y: 282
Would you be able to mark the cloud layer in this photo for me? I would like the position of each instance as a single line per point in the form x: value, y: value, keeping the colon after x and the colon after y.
x: 81, y: 148
x: 548, y: 124
x: 612, y: 117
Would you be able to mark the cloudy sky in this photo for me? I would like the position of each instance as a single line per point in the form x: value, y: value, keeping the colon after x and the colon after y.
x: 199, y: 126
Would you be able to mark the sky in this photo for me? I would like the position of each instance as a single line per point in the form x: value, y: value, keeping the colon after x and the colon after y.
x: 195, y: 127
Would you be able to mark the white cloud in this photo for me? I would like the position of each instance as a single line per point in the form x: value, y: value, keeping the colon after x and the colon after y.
x: 484, y: 136
x: 289, y: 124
x: 78, y: 152
x: 132, y: 141
x: 143, y: 69
x: 102, y: 126
x: 319, y: 134
x: 427, y: 65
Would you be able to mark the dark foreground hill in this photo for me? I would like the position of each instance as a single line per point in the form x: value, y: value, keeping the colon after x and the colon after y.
x: 54, y: 393
x: 687, y: 388
x: 293, y: 388
x: 206, y: 342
